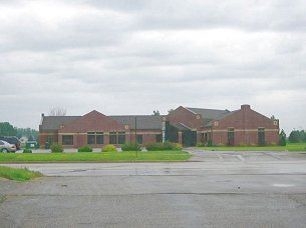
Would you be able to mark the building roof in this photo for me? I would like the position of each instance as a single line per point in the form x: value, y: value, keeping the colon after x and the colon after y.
x: 144, y: 122
x: 181, y: 126
x: 209, y: 113
x: 209, y: 123
x: 54, y: 122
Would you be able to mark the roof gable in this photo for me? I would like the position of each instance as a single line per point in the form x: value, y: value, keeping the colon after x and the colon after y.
x: 92, y: 121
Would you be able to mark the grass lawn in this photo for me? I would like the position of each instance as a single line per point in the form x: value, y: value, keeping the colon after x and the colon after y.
x: 288, y: 147
x: 156, y: 156
x: 18, y: 174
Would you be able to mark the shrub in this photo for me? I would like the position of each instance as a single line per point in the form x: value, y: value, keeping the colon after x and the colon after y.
x: 209, y: 143
x: 131, y: 147
x: 282, y: 138
x: 200, y: 144
x: 56, y: 148
x: 163, y: 146
x: 85, y: 149
x: 109, y: 148
x: 27, y: 151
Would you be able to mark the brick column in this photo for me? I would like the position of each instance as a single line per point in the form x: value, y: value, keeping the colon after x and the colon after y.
x: 180, y: 137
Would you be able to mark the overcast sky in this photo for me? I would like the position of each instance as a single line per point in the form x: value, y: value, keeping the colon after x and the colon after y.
x: 136, y: 56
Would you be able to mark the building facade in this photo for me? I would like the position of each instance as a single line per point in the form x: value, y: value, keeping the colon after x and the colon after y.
x: 96, y: 129
x: 188, y: 126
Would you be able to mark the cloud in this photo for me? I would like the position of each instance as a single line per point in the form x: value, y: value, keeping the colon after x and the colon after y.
x: 127, y: 57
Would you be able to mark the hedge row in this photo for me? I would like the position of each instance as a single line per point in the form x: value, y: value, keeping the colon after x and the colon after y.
x: 58, y: 148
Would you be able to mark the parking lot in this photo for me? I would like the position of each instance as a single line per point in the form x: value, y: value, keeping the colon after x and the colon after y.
x: 214, y: 189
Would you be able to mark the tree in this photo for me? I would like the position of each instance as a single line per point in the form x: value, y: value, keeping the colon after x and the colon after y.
x: 6, y: 129
x: 297, y: 136
x: 282, y: 138
x: 31, y: 134
x: 294, y: 136
x: 156, y: 113
x: 57, y: 111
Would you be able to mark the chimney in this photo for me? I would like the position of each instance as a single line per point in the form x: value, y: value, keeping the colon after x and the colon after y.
x: 245, y: 107
x: 42, y: 118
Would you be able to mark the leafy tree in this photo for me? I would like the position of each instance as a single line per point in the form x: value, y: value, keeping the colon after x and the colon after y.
x: 31, y: 134
x: 6, y: 129
x: 297, y: 136
x: 282, y: 138
x: 156, y: 113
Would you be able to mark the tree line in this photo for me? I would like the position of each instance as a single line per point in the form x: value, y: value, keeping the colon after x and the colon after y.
x: 6, y: 129
x: 297, y: 136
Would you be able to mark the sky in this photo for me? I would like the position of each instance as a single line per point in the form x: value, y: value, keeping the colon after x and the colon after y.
x: 136, y: 56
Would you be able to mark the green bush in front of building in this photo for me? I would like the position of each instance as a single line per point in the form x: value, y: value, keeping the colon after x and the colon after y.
x: 163, y: 146
x: 131, y: 147
x: 27, y: 151
x: 85, y: 149
x: 109, y: 148
x: 56, y: 148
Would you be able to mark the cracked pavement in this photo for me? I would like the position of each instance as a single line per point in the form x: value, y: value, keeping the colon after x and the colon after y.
x: 215, y: 189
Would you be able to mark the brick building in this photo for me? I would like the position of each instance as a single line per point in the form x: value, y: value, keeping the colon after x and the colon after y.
x: 96, y: 129
x: 188, y: 126
x: 222, y: 127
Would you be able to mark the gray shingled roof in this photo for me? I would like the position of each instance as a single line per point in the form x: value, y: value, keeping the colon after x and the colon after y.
x: 209, y: 113
x: 145, y: 122
x: 209, y: 124
x: 54, y: 122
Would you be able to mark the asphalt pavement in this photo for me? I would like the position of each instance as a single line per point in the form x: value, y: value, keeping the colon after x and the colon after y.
x: 214, y: 189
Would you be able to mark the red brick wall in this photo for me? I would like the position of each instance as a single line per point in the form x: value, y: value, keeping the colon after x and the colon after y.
x: 43, y: 136
x: 245, y: 123
x: 148, y: 136
x: 93, y: 121
x: 182, y: 115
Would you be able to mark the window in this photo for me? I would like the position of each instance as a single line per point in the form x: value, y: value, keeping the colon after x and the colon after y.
x: 95, y: 138
x: 49, y: 140
x: 90, y: 138
x: 99, y: 138
x: 139, y: 139
x: 261, y: 137
x: 230, y: 137
x: 121, y: 137
x: 113, y: 138
x: 67, y: 139
x: 158, y: 138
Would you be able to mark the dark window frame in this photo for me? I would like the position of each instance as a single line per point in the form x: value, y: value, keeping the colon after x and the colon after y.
x: 67, y: 140
x: 139, y: 139
x: 95, y: 138
x: 113, y: 139
x: 121, y: 137
x: 230, y: 136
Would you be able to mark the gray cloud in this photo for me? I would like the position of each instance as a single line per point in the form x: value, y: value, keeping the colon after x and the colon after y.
x: 127, y: 57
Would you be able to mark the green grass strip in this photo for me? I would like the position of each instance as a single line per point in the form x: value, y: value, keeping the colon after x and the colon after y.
x: 154, y: 156
x: 288, y: 147
x: 18, y: 174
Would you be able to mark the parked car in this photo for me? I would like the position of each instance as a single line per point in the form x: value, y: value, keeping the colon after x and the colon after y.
x: 12, y: 140
x: 7, y: 147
